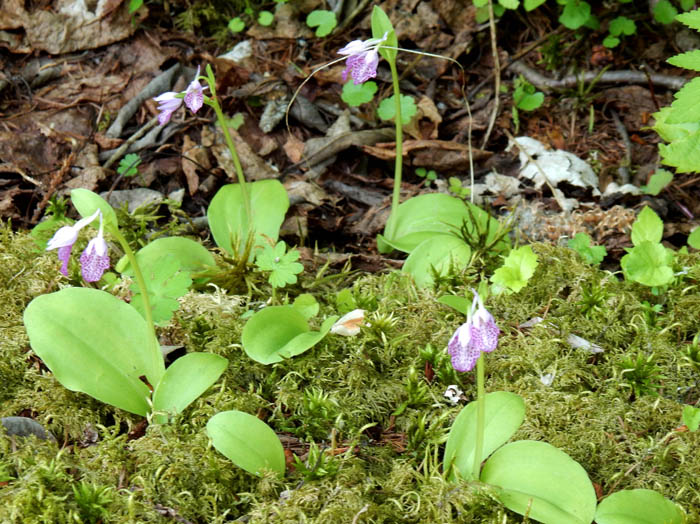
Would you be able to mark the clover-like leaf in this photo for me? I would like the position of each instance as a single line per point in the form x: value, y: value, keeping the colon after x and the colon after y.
x: 664, y: 12
x: 128, y: 164
x: 387, y: 109
x: 166, y: 282
x: 575, y: 14
x: 324, y: 21
x: 357, y: 94
x: 281, y: 263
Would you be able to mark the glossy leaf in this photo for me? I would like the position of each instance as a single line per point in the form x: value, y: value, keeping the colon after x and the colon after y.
x: 648, y: 226
x: 420, y: 218
x: 228, y: 221
x: 192, y: 255
x: 246, y: 441
x: 504, y: 413
x: 437, y: 255
x: 637, y: 506
x: 278, y: 332
x: 648, y: 263
x: 94, y: 343
x: 184, y: 381
x: 541, y: 481
x: 458, y: 303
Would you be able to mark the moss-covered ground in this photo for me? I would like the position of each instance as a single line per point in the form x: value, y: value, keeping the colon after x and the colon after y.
x: 359, y: 412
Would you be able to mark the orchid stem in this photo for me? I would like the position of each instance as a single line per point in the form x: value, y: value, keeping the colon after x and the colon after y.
x: 399, y: 141
x: 480, y: 415
x: 141, y: 283
x: 213, y: 102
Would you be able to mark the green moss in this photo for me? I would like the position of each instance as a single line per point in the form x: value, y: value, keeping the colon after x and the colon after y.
x: 366, y: 397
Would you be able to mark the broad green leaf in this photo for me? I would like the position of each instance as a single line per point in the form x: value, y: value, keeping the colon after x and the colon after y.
x: 306, y: 305
x: 687, y: 5
x: 529, y: 5
x: 457, y: 303
x: 657, y: 182
x: 622, y: 26
x: 648, y: 263
x: 96, y: 344
x: 638, y: 506
x: 381, y: 25
x: 387, y: 109
x: 581, y: 243
x: 86, y: 202
x: 575, y: 14
x: 504, y: 412
x: 192, y: 255
x: 694, y: 238
x: 265, y: 18
x: 691, y: 417
x: 691, y: 19
x: 247, y: 442
x: 184, y: 381
x: 541, y: 481
x: 517, y: 268
x: 324, y: 21
x: 686, y: 104
x: 422, y: 217
x: 278, y: 332
x: 357, y: 94
x: 664, y: 12
x: 165, y: 282
x: 689, y: 60
x: 439, y: 254
x: 648, y: 226
x: 229, y: 224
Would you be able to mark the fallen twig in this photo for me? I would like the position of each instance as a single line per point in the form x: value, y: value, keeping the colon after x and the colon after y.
x: 496, y: 75
x: 608, y: 77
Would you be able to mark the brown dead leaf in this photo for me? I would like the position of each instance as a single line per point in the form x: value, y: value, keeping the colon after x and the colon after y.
x: 294, y: 148
x: 193, y: 156
x: 288, y: 24
x: 441, y: 155
x: 106, y: 142
x: 69, y: 26
x: 425, y: 123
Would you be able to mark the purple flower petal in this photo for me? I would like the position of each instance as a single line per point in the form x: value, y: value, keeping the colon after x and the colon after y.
x: 194, y: 96
x: 64, y: 257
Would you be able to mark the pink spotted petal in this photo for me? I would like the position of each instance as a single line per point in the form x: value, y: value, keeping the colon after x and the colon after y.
x: 94, y: 261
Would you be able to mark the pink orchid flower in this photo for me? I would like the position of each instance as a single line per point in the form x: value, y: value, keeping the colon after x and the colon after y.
x: 170, y: 102
x: 363, y: 59
x: 478, y: 334
x: 94, y: 261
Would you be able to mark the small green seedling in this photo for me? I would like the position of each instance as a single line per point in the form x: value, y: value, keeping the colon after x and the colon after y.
x: 429, y: 176
x: 581, y: 243
x: 517, y: 269
x: 128, y: 165
x: 649, y: 261
x: 457, y: 189
x: 265, y: 18
x: 324, y: 21
x: 618, y: 27
x: 691, y: 417
x: 525, y: 98
x: 664, y: 12
x: 236, y: 25
x: 657, y: 182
